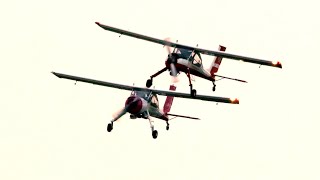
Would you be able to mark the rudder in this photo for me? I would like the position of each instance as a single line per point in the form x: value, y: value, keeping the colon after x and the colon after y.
x: 216, y: 63
x: 168, y: 103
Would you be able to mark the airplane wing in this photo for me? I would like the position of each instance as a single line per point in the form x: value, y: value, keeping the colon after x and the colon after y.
x: 195, y: 49
x: 159, y: 92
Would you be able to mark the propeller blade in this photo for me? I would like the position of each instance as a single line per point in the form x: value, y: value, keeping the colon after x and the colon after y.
x: 175, y: 79
x: 168, y: 47
x: 173, y: 68
x: 174, y: 73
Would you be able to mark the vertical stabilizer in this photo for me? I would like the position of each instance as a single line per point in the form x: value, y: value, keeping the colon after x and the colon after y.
x: 168, y: 103
x: 216, y: 63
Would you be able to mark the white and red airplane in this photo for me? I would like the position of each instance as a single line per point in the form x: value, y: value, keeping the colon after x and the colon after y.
x: 187, y: 59
x: 143, y: 102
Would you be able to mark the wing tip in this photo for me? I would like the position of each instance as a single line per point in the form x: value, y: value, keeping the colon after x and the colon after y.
x: 277, y: 64
x: 97, y: 23
x: 234, y: 100
x: 56, y: 74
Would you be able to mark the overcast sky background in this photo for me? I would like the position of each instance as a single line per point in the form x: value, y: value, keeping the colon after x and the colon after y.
x: 53, y: 129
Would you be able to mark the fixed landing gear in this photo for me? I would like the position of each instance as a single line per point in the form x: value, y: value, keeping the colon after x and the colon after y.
x: 149, y: 83
x: 193, y: 93
x: 110, y: 127
x: 154, y: 134
x: 167, y: 127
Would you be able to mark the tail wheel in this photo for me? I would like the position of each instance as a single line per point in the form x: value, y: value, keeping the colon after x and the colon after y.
x: 155, y: 134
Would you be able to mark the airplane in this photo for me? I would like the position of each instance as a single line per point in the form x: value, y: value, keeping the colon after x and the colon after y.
x: 188, y: 59
x: 143, y: 102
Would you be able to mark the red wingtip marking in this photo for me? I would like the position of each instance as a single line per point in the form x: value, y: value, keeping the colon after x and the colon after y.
x: 97, y: 23
x: 277, y: 64
x: 235, y: 101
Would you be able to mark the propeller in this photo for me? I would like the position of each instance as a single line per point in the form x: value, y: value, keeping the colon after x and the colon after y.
x: 172, y: 60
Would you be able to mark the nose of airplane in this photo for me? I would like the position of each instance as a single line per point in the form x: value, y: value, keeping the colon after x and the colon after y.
x: 133, y: 104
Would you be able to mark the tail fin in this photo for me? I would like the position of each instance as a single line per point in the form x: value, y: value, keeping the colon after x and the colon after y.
x: 216, y: 63
x: 168, y: 103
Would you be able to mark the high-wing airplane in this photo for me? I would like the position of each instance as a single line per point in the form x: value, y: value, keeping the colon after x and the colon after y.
x: 143, y: 102
x: 187, y: 59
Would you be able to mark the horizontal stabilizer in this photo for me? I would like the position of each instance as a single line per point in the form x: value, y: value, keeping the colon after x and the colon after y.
x: 234, y: 79
x: 183, y: 116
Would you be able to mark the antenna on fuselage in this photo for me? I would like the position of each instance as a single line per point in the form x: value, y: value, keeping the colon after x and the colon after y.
x: 132, y: 91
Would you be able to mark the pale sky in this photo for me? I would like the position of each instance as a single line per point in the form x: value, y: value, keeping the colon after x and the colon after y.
x: 53, y: 129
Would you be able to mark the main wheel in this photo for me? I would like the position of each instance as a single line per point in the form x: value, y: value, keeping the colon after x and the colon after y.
x: 110, y: 127
x: 155, y: 134
x: 167, y: 128
x: 193, y: 93
x: 149, y: 83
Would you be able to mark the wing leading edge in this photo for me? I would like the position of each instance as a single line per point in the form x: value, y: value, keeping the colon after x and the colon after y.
x: 195, y: 49
x: 156, y: 91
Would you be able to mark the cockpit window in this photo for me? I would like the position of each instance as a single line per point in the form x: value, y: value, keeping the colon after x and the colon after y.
x: 154, y: 101
x: 142, y: 94
x: 197, y: 60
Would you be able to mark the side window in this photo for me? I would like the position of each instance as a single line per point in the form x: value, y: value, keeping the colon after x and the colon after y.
x: 154, y: 100
x: 197, y: 61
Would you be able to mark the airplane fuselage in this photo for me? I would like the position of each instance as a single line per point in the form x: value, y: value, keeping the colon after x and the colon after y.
x: 186, y: 66
x: 139, y: 107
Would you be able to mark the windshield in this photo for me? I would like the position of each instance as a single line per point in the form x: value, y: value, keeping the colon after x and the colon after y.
x: 191, y: 56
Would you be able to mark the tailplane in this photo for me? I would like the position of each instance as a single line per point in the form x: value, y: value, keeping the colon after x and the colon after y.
x: 168, y: 103
x: 176, y: 115
x: 216, y: 63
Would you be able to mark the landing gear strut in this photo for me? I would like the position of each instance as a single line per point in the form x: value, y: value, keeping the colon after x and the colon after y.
x: 214, y: 86
x: 149, y: 81
x: 154, y: 132
x: 193, y: 92
x: 167, y: 127
x: 110, y: 125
